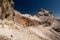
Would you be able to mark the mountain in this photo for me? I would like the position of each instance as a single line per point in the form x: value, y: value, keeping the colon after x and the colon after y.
x: 17, y: 26
x: 58, y: 20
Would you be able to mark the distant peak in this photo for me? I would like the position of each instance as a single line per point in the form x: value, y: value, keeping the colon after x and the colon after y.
x: 43, y: 12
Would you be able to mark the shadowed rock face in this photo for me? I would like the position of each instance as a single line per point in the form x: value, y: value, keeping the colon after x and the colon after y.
x: 26, y: 21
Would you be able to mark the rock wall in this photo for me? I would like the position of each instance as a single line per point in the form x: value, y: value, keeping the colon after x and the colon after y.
x: 6, y: 9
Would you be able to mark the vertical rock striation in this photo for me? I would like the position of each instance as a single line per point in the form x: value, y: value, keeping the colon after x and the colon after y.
x: 6, y: 9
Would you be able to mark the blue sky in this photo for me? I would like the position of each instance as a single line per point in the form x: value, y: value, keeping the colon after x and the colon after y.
x: 32, y: 6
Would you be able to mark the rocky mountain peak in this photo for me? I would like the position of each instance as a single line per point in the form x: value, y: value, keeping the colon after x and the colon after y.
x: 45, y: 16
x: 43, y: 12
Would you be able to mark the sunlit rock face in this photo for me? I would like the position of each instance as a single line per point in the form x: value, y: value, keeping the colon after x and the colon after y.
x: 17, y: 26
x: 45, y: 16
x: 6, y: 9
x: 47, y: 22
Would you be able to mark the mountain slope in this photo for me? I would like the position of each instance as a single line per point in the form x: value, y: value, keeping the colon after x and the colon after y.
x: 17, y: 26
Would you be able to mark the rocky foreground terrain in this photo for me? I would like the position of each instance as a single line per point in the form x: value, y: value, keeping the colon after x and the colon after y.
x: 17, y: 26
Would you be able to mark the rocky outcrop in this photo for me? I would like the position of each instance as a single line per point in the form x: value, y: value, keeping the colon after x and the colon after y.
x: 45, y: 17
x: 6, y: 9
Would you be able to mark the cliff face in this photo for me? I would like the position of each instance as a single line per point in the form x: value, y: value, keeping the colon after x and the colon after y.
x: 6, y: 9
x: 17, y: 26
